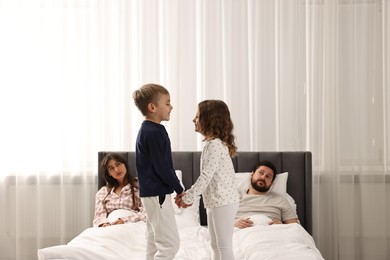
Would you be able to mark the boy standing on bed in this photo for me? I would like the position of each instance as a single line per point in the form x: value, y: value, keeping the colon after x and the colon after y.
x: 156, y: 175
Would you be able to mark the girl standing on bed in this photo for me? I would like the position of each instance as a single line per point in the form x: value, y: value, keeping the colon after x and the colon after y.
x: 120, y: 192
x: 216, y: 182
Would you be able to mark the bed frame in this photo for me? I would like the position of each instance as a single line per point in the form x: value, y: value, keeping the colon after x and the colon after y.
x: 298, y: 164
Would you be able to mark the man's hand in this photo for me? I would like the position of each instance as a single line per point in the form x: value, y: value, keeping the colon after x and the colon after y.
x: 243, y: 223
x: 275, y: 221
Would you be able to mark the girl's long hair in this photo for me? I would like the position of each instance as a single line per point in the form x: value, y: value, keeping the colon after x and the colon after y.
x: 214, y: 120
x: 112, y: 182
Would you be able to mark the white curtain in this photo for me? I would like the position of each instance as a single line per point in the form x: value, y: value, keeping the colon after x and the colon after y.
x: 297, y: 75
x: 348, y: 74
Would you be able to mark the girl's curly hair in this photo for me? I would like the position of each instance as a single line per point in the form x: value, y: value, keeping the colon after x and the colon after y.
x: 214, y: 120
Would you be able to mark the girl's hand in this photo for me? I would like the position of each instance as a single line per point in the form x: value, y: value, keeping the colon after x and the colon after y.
x: 184, y: 205
x: 179, y: 201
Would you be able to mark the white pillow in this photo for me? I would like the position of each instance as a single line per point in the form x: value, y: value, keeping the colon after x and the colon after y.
x: 119, y: 213
x: 243, y: 180
x: 186, y: 217
x: 189, y: 217
x: 279, y: 185
x: 260, y: 219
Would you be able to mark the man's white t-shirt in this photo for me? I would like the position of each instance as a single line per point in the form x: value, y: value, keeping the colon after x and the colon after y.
x: 272, y: 205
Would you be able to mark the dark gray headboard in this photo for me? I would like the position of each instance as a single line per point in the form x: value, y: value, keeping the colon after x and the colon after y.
x: 298, y: 164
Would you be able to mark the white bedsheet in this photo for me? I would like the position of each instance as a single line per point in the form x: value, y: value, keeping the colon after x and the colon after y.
x: 128, y: 242
x: 262, y: 242
x: 125, y: 242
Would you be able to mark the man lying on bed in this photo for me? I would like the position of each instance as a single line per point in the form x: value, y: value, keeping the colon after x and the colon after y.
x: 258, y: 201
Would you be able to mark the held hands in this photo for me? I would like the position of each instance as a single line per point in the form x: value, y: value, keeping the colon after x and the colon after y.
x: 179, y: 201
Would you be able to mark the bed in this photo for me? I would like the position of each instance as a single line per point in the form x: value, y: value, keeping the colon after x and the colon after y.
x: 262, y: 241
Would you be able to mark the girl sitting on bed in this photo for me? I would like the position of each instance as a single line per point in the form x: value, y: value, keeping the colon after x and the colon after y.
x: 119, y: 196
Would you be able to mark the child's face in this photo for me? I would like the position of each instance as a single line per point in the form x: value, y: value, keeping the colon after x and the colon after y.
x: 163, y: 108
x: 196, y: 121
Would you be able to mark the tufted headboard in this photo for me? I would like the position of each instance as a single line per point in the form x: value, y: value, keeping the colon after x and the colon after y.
x: 298, y: 164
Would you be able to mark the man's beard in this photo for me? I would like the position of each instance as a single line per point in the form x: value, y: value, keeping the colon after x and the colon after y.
x: 264, y: 188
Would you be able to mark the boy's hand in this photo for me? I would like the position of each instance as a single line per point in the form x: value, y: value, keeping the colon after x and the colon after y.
x: 179, y: 202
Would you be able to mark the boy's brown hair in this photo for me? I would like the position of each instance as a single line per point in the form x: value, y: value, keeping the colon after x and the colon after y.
x: 148, y: 93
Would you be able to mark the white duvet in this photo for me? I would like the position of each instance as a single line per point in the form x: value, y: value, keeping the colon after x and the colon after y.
x: 128, y: 242
x: 276, y: 242
x: 125, y: 241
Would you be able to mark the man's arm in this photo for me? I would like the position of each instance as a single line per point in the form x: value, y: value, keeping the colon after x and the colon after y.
x: 290, y: 221
x: 278, y: 221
